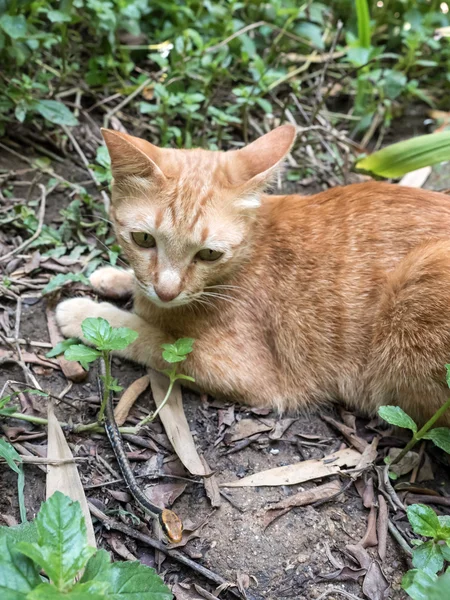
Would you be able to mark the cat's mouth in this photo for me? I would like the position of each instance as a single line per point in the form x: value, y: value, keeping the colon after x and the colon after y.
x: 149, y: 291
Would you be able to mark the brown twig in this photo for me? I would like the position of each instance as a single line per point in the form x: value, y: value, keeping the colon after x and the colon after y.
x: 36, y: 234
x: 175, y: 554
x: 81, y: 154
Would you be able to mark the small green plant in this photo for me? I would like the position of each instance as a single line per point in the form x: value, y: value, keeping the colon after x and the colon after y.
x: 440, y: 436
x: 173, y: 354
x: 56, y: 544
x: 14, y: 462
x: 106, y: 339
x: 428, y: 557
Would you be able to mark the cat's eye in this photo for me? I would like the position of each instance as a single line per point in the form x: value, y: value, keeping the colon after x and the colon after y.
x: 209, y: 255
x: 144, y: 240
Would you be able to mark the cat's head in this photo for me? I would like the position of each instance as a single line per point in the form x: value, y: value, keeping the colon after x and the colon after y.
x: 185, y: 217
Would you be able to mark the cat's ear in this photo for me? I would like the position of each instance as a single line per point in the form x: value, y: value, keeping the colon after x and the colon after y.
x: 132, y: 156
x: 255, y: 165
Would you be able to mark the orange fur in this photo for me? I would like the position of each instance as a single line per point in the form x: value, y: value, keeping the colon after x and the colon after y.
x: 344, y: 295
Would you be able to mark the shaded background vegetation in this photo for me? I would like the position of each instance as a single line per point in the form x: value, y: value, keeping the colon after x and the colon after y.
x: 205, y: 72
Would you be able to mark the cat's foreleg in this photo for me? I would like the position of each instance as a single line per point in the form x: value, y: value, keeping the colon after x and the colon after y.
x: 112, y: 283
x: 145, y: 350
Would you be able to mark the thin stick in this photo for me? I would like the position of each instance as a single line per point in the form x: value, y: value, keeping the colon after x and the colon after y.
x: 37, y: 233
x: 81, y: 154
x: 124, y: 102
x: 399, y: 538
x: 336, y: 590
x: 175, y: 554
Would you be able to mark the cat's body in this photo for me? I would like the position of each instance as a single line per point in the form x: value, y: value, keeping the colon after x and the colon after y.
x: 344, y: 295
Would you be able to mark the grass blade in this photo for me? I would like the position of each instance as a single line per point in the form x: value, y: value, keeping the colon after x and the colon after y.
x: 14, y: 461
x: 364, y: 33
x: 403, y: 157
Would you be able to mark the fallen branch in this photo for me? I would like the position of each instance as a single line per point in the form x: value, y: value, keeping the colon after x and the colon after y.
x: 175, y: 554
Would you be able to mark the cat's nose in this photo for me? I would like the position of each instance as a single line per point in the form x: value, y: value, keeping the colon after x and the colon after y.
x: 166, y: 295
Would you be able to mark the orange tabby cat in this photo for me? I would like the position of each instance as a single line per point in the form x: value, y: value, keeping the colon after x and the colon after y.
x: 292, y: 300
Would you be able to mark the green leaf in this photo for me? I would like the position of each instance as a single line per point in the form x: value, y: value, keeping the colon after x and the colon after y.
x: 440, y: 436
x: 61, y: 347
x: 83, y: 354
x: 97, y: 567
x: 423, y: 520
x: 10, y: 454
x: 121, y: 337
x: 12, y: 457
x: 55, y: 112
x: 62, y: 549
x: 93, y: 590
x: 14, y: 26
x: 403, y: 157
x: 178, y: 351
x: 58, y: 16
x: 26, y: 532
x: 57, y: 282
x: 104, y: 337
x: 18, y: 574
x: 447, y: 376
x: 133, y: 580
x: 428, y: 557
x: 396, y: 416
x: 362, y: 13
x: 418, y: 584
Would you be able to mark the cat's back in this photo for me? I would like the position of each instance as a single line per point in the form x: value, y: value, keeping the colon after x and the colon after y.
x: 360, y: 218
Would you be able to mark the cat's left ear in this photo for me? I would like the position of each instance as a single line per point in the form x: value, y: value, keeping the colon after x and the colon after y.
x: 255, y: 165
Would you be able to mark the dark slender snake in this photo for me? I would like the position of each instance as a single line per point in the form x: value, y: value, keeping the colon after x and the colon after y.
x: 170, y: 522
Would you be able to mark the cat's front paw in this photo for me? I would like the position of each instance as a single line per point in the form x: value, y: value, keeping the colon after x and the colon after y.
x: 71, y: 313
x: 112, y: 283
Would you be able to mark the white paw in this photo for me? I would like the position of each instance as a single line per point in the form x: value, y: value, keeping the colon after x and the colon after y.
x: 71, y: 313
x: 112, y: 283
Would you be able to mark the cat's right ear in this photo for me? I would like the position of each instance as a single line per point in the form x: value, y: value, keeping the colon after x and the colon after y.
x: 132, y: 156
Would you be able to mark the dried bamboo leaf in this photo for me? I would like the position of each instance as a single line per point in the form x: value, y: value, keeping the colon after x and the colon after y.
x: 129, y: 397
x: 175, y: 424
x: 64, y: 478
x: 300, y: 472
x: 417, y: 178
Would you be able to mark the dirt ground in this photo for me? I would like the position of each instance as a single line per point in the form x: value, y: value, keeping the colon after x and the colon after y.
x: 284, y: 561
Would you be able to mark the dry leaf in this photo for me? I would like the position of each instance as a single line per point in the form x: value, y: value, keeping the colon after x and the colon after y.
x: 370, y: 537
x: 300, y: 472
x: 409, y: 462
x: 344, y: 574
x: 211, y: 486
x: 369, y: 455
x: 164, y: 494
x: 245, y: 429
x: 321, y: 492
x: 184, y: 593
x: 65, y: 478
x: 375, y: 585
x: 382, y: 526
x: 176, y: 425
x: 417, y: 178
x: 280, y: 428
x: 129, y: 397
x: 348, y: 433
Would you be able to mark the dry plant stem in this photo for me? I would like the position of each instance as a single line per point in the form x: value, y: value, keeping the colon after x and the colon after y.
x: 37, y: 233
x: 94, y: 427
x: 419, y: 434
x: 336, y: 590
x: 399, y: 538
x: 124, y: 102
x: 105, y: 197
x: 175, y: 554
x: 152, y: 416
